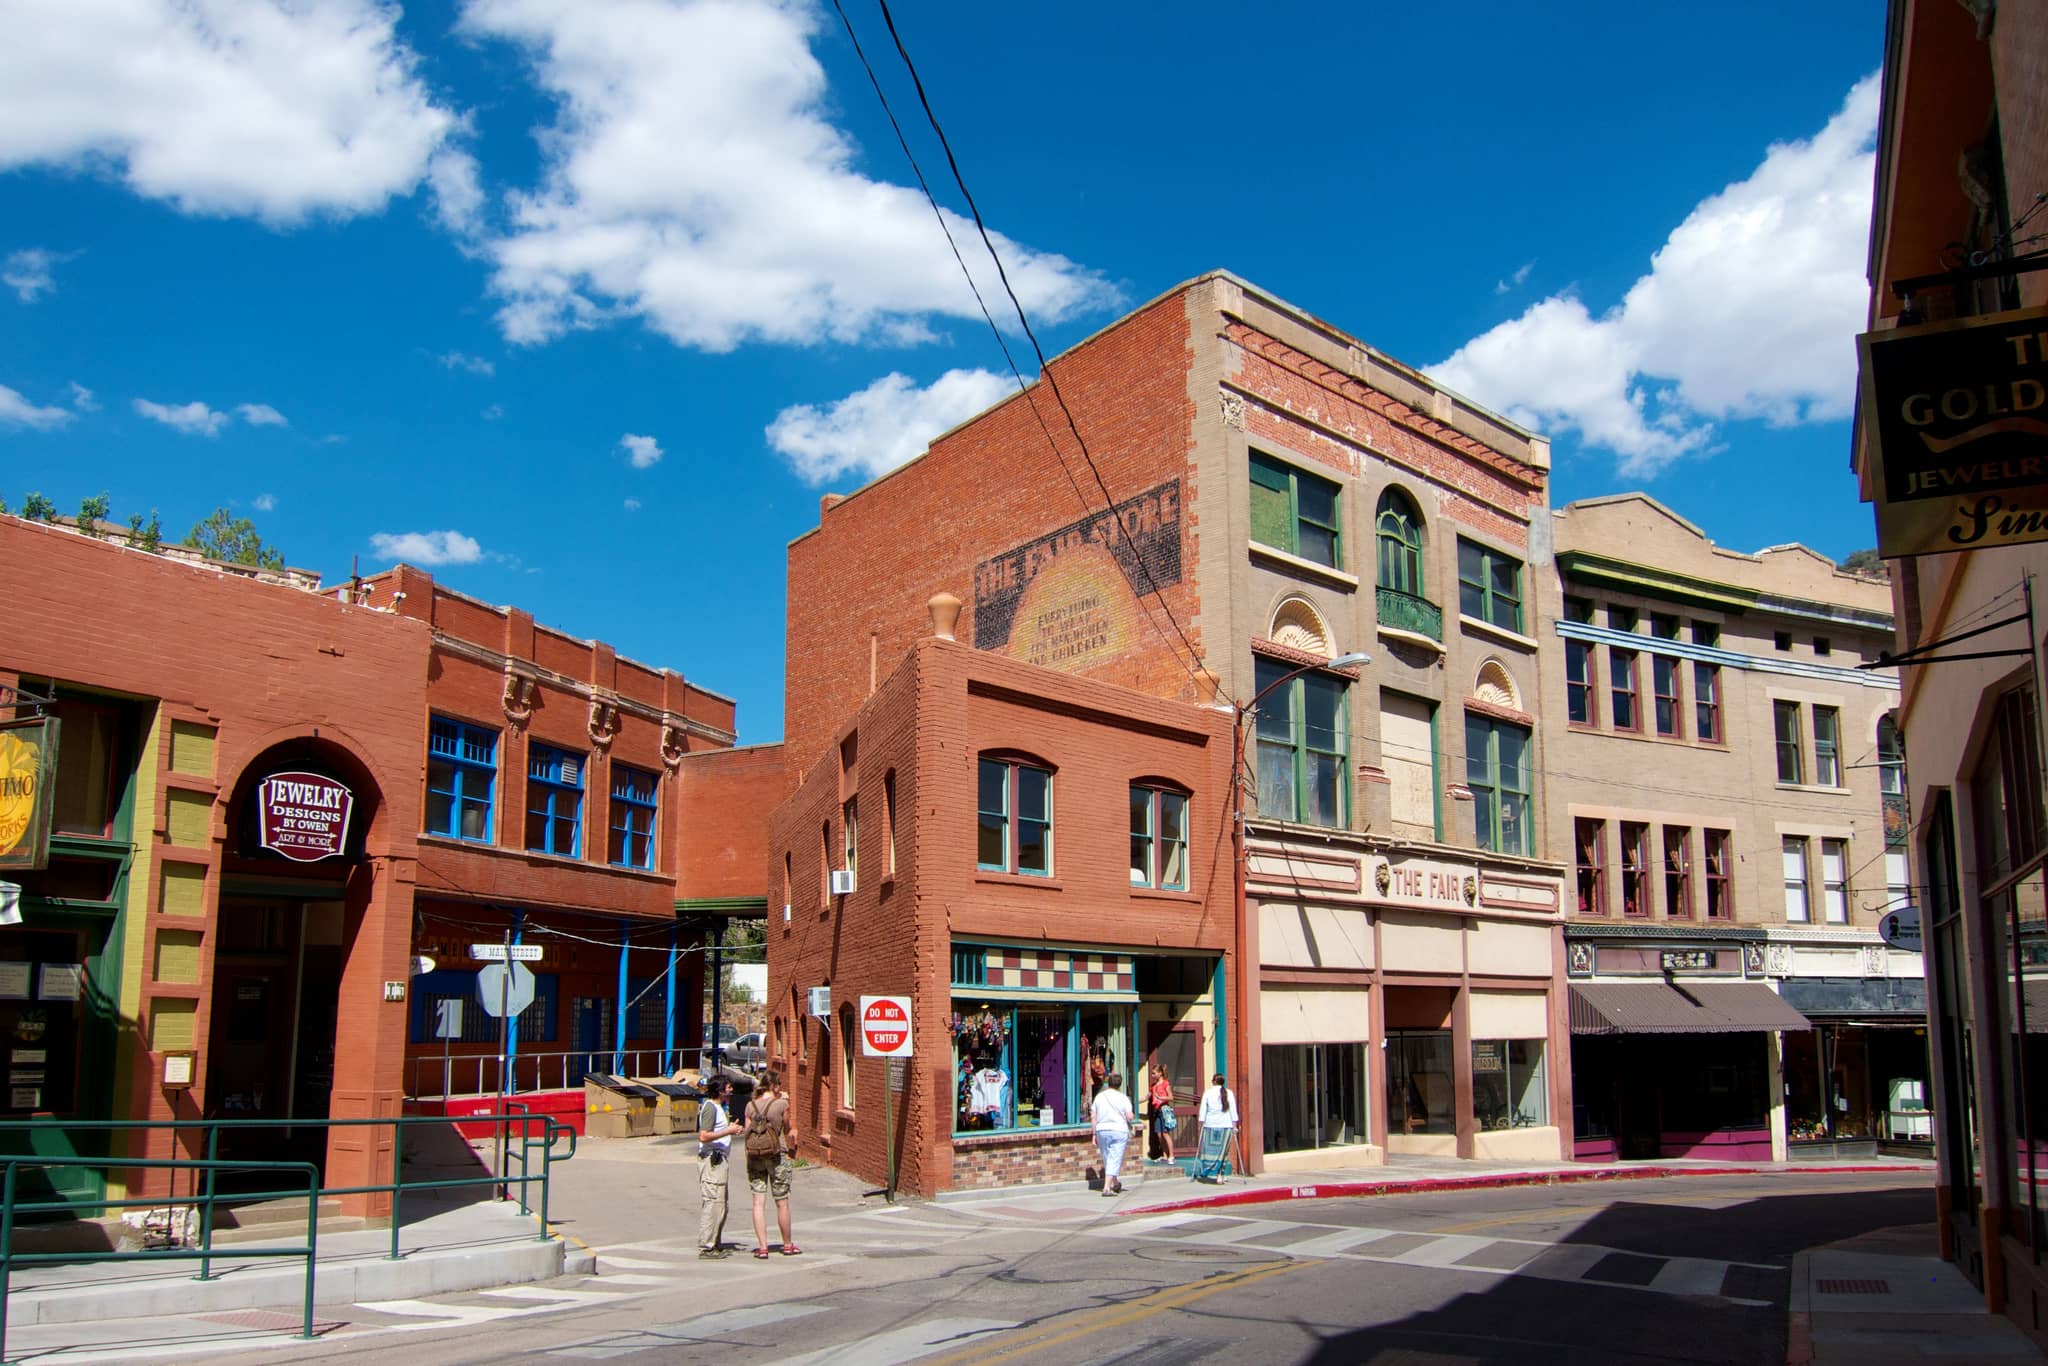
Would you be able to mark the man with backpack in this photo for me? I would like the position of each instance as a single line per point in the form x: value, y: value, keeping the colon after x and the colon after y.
x: 771, y: 1152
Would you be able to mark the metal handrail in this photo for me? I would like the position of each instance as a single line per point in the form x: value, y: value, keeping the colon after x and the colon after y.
x: 433, y: 1078
x: 527, y: 1146
x: 9, y: 1208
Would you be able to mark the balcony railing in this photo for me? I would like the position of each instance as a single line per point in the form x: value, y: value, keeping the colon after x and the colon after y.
x: 1405, y: 612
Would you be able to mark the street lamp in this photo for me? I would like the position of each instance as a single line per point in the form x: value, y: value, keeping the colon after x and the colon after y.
x: 1240, y: 712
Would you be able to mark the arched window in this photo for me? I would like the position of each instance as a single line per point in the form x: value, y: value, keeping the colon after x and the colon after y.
x: 1400, y: 544
x: 846, y: 1056
x: 1891, y: 757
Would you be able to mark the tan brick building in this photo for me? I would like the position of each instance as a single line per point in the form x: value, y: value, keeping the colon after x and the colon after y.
x: 1727, y: 781
x: 1272, y: 495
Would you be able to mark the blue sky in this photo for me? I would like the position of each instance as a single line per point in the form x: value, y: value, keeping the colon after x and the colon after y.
x: 583, y: 305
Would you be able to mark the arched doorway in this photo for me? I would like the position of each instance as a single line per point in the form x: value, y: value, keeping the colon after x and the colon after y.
x: 294, y: 883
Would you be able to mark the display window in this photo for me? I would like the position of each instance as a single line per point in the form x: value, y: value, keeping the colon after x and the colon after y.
x: 1315, y: 1096
x: 1421, y: 1081
x: 1034, y: 1066
x: 1508, y: 1084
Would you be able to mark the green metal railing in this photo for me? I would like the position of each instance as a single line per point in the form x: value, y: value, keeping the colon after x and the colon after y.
x: 10, y: 1207
x: 533, y: 1150
x: 1406, y: 612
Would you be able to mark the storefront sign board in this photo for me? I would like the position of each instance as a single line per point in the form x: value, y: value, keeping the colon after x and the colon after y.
x: 28, y: 791
x: 885, y: 1026
x: 1901, y: 928
x: 1956, y: 414
x: 1422, y: 882
x: 303, y: 816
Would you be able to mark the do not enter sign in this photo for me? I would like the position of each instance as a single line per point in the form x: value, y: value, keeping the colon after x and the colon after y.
x: 885, y: 1026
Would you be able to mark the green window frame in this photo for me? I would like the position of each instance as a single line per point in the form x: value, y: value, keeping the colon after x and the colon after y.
x: 1489, y: 585
x: 1295, y: 511
x: 1159, y: 837
x: 1399, y: 537
x: 1014, y: 818
x: 1303, y: 735
x: 1497, y: 771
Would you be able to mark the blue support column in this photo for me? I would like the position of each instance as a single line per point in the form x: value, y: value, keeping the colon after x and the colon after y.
x: 619, y: 1015
x: 668, y: 1038
x: 1217, y: 1003
x: 512, y: 1025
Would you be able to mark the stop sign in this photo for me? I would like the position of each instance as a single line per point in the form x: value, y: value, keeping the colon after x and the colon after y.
x: 885, y: 1026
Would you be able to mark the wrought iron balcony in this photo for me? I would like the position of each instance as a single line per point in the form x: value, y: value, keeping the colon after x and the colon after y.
x: 1406, y: 612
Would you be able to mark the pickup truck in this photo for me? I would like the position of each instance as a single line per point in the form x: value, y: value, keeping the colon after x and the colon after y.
x: 749, y: 1051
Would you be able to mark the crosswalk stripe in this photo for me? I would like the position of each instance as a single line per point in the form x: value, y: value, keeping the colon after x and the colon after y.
x: 1441, y: 1251
x: 903, y: 1344
x: 1690, y: 1276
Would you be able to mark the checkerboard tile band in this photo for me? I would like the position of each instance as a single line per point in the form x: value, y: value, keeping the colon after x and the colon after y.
x: 1054, y: 970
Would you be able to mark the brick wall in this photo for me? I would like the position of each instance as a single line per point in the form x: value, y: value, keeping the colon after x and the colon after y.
x: 727, y: 796
x: 926, y: 725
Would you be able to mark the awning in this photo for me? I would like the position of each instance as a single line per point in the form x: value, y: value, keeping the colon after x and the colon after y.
x: 1905, y: 997
x: 1680, y: 1008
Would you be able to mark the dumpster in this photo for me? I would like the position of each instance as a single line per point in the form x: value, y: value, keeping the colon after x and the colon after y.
x: 675, y: 1105
x: 616, y: 1108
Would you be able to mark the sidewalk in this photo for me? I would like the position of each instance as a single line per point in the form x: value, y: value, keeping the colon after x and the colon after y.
x: 1885, y: 1300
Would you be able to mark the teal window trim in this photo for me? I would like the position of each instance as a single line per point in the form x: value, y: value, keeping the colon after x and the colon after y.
x: 1282, y: 728
x: 1014, y: 801
x: 462, y: 772
x: 1399, y: 538
x: 1159, y: 837
x: 1314, y: 523
x: 1489, y: 585
x: 1497, y: 771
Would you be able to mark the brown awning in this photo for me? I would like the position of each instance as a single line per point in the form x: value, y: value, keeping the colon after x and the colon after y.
x: 1680, y: 1008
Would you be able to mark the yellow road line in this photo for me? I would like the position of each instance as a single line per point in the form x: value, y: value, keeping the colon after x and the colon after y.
x: 1067, y: 1329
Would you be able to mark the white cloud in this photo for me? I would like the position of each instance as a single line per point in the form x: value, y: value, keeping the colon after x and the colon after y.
x: 30, y: 272
x: 1514, y: 281
x: 632, y: 505
x: 266, y: 502
x: 261, y: 415
x: 459, y: 360
x: 193, y: 419
x: 82, y: 399
x: 644, y: 451
x: 875, y: 429
x: 272, y: 108
x: 16, y: 411
x: 1749, y: 311
x: 427, y: 547
x: 692, y: 180
x: 493, y: 413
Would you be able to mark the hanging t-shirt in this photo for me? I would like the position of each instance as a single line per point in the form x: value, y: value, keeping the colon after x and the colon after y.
x: 985, y: 1094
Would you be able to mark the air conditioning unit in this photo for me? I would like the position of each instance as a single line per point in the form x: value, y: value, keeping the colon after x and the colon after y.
x: 842, y: 882
x: 821, y: 1003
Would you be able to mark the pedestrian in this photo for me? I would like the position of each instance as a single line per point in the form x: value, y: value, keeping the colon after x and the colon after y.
x: 1113, y: 1117
x: 771, y: 1152
x: 1162, y: 1116
x: 714, y: 1140
x: 1219, y: 1111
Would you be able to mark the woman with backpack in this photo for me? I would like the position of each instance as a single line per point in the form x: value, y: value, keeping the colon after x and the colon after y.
x: 771, y: 1144
x: 1163, y: 1119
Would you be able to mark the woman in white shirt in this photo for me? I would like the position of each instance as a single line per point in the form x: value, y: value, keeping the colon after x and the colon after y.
x: 1113, y: 1117
x: 1219, y: 1106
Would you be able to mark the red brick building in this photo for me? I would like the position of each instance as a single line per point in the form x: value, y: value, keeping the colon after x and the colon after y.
x: 497, y: 776
x: 982, y: 809
x: 1263, y: 492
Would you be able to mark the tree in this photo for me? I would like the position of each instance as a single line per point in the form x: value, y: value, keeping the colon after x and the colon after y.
x: 149, y: 538
x: 37, y: 508
x: 224, y: 536
x: 90, y: 511
x: 1866, y: 563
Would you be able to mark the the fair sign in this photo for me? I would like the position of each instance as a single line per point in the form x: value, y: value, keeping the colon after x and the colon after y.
x: 885, y: 1026
x: 1423, y: 882
x: 303, y: 816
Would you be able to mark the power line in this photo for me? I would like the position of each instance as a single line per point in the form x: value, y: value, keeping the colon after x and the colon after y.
x: 1194, y: 662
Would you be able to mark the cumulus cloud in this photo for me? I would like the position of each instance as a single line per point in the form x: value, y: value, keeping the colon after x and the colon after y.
x: 1749, y: 311
x: 493, y: 413
x: 427, y: 547
x: 193, y: 419
x: 1514, y: 281
x: 261, y: 415
x: 632, y: 505
x: 16, y: 411
x: 276, y: 109
x: 82, y: 399
x: 643, y: 451
x: 692, y: 180
x: 873, y: 430
x: 31, y: 272
x: 266, y: 502
x: 459, y: 360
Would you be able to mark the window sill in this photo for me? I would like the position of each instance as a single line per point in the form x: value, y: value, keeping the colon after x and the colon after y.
x: 995, y: 879
x: 1415, y: 638
x: 1814, y: 789
x: 1166, y: 894
x: 1474, y: 626
x: 1281, y: 559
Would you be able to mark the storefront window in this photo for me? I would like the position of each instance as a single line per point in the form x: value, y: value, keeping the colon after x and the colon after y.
x: 1508, y: 1090
x: 1034, y: 1066
x: 42, y: 1001
x: 1421, y: 1082
x: 1315, y: 1096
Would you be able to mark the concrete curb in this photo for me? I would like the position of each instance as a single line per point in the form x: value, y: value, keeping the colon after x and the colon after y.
x: 1799, y: 1315
x: 1334, y: 1190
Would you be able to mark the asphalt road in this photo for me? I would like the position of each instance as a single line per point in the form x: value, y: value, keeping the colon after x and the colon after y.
x: 1683, y: 1270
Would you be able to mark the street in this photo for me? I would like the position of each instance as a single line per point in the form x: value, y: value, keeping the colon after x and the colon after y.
x: 1693, y: 1269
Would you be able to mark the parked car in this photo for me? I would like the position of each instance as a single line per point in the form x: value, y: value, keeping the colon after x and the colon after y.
x: 749, y: 1051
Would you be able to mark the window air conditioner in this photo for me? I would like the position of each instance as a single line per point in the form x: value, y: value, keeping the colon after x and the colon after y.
x: 821, y: 1002
x: 842, y: 882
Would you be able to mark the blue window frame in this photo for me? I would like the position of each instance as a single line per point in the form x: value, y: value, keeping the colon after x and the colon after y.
x: 635, y: 803
x: 554, y: 802
x: 462, y: 773
x: 1014, y: 806
x: 1159, y: 838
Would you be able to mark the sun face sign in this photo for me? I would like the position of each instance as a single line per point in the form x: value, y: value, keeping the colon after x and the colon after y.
x: 21, y: 792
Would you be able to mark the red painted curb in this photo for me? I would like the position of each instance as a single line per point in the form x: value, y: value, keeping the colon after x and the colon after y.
x: 1799, y: 1340
x: 1334, y: 1190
